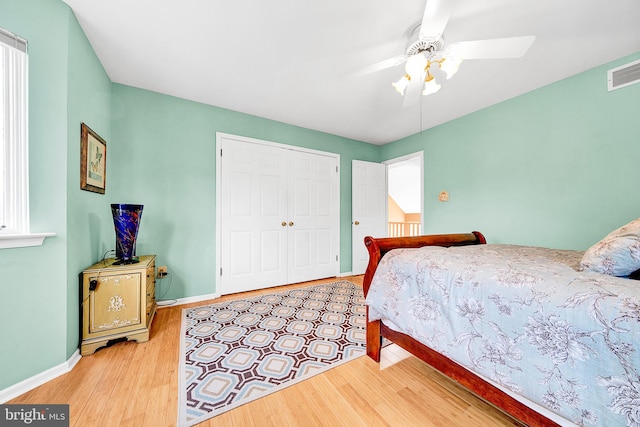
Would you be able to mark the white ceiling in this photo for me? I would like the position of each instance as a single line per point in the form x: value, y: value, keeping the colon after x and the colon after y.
x: 294, y: 60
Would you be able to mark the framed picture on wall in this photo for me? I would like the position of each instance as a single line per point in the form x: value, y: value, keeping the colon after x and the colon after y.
x: 93, y: 161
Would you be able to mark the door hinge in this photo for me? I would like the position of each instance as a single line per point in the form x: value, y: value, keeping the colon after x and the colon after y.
x: 336, y: 257
x: 221, y: 271
x: 221, y: 152
x: 336, y: 169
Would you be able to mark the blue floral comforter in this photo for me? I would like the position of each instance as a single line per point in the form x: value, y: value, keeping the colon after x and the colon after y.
x: 524, y: 317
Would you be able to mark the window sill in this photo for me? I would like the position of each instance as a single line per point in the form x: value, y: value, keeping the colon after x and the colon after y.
x: 23, y: 240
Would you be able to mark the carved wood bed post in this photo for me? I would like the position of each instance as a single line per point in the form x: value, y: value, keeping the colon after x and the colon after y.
x: 374, y: 337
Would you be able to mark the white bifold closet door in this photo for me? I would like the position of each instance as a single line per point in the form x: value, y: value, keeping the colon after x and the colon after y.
x: 279, y: 215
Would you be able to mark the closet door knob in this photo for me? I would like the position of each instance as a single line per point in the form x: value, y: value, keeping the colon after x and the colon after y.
x: 357, y: 223
x: 284, y: 223
x: 290, y: 223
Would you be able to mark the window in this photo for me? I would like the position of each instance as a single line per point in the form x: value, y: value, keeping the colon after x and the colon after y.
x: 14, y: 173
x: 14, y: 218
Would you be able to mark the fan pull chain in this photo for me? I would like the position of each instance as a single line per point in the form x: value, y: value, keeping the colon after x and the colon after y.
x: 421, y: 116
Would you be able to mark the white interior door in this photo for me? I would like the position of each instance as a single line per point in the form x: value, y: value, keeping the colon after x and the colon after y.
x: 313, y: 216
x: 254, y: 208
x: 369, y: 209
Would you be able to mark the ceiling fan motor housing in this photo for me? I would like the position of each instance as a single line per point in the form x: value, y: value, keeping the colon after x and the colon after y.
x: 429, y: 47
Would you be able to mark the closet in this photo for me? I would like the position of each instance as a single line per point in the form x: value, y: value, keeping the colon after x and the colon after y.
x: 278, y: 214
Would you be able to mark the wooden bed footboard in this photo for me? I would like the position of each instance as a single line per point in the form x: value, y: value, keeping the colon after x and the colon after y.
x: 376, y: 330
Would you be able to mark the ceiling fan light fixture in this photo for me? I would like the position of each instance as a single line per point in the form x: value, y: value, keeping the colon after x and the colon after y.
x: 401, y: 85
x: 450, y: 66
x: 426, y: 47
x: 431, y: 86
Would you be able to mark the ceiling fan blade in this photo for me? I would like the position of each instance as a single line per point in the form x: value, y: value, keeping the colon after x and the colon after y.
x: 435, y: 19
x: 414, y: 91
x: 510, y: 47
x: 379, y: 66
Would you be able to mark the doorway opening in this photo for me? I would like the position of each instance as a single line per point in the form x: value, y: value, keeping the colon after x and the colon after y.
x: 405, y: 196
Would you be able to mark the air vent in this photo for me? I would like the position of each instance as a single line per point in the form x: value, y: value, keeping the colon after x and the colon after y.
x: 625, y: 75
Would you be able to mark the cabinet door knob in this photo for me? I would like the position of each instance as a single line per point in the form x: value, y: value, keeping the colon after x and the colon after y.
x: 290, y: 223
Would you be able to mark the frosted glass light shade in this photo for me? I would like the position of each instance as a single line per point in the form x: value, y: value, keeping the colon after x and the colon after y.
x: 450, y: 66
x: 401, y: 85
x: 430, y: 87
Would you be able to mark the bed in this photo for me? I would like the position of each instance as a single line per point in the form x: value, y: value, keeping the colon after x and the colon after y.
x: 528, y: 329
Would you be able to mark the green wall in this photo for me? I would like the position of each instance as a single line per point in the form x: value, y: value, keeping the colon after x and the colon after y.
x: 33, y: 280
x: 89, y: 223
x: 555, y: 167
x: 166, y: 160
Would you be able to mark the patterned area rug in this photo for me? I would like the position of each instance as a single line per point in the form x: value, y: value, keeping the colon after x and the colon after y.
x: 238, y: 351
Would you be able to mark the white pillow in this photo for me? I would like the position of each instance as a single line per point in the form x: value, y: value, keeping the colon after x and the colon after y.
x: 618, y: 254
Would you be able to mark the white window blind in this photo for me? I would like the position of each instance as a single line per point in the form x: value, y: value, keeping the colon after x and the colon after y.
x: 14, y: 174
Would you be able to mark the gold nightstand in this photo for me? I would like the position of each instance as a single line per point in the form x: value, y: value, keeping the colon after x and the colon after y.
x: 118, y: 302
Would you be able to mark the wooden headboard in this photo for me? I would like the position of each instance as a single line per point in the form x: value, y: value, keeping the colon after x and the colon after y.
x: 378, y: 247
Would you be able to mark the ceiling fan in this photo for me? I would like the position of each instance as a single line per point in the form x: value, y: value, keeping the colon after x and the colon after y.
x: 427, y: 48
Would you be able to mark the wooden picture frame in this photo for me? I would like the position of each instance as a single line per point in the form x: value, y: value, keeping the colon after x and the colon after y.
x: 93, y: 161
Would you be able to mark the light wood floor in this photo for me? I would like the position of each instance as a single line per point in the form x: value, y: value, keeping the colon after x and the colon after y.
x: 131, y: 384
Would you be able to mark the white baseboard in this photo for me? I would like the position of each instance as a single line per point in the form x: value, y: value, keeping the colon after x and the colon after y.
x: 189, y: 300
x: 39, y: 379
x: 345, y: 274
